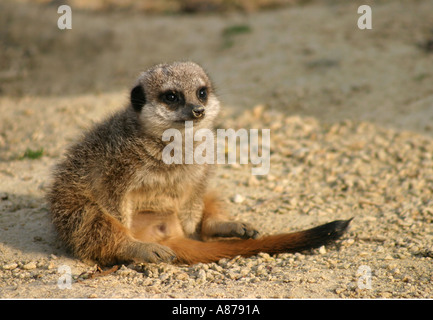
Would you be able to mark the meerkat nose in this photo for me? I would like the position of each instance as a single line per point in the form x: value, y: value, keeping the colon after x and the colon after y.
x: 198, y: 111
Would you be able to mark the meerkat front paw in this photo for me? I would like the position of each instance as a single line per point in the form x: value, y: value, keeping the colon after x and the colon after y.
x: 153, y: 252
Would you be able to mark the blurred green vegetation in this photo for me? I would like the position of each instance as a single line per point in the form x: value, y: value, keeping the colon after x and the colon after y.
x: 33, y: 154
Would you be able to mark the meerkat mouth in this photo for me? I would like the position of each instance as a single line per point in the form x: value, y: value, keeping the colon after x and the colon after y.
x: 198, y: 113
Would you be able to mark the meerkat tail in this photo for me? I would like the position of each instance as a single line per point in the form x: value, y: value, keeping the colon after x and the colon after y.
x: 191, y: 251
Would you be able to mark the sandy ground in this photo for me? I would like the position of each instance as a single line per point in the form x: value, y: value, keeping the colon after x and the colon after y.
x: 351, y: 119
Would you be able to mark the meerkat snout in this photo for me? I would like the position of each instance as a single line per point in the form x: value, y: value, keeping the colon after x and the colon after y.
x: 198, y: 111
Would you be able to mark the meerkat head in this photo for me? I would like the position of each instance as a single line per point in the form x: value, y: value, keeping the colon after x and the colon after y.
x: 167, y: 95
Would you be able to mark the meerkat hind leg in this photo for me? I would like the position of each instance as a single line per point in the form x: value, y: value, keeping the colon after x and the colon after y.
x: 216, y: 224
x: 230, y: 229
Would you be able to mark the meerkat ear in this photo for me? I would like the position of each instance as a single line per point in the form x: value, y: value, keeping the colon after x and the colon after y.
x: 138, y: 98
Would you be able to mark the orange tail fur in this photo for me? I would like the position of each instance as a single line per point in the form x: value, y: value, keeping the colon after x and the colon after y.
x: 192, y: 251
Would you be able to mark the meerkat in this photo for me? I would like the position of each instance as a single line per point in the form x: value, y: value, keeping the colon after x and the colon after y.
x: 113, y: 199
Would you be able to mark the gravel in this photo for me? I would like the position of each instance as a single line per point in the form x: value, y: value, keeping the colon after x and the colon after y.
x: 319, y: 172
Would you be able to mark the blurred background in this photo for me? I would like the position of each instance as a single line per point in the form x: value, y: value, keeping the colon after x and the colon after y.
x: 304, y: 57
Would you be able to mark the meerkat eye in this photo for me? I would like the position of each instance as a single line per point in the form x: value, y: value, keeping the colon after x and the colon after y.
x: 171, y: 96
x: 202, y: 93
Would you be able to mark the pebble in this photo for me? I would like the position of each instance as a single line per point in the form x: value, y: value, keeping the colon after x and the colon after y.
x: 348, y: 242
x: 164, y: 276
x: 10, y: 266
x: 201, y: 275
x: 340, y: 290
x: 29, y: 266
x: 125, y: 271
x: 253, y: 181
x: 181, y: 276
x: 386, y: 294
x: 238, y: 198
x: 299, y: 256
x: 380, y: 249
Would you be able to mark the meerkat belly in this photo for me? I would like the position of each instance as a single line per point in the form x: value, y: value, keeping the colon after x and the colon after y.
x: 154, y: 214
x: 158, y: 198
x: 173, y: 197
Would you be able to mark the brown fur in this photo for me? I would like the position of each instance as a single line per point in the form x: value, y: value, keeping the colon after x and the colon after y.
x: 113, y: 199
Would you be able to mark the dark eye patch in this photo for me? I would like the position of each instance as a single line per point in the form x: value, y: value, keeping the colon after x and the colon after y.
x: 202, y: 94
x: 170, y: 96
